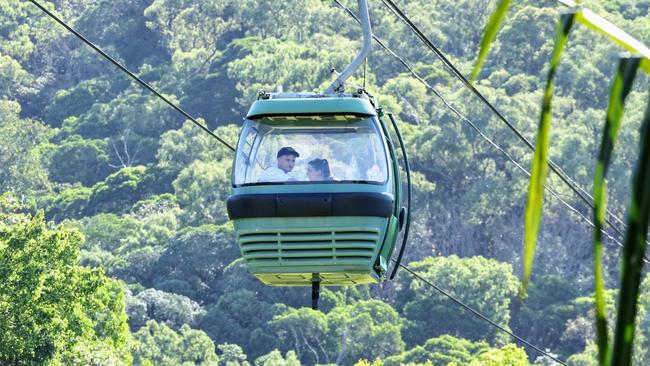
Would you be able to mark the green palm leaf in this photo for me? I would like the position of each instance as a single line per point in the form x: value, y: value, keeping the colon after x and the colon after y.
x: 621, y: 87
x: 533, y: 214
x: 490, y: 33
x: 599, y: 24
x: 634, y: 250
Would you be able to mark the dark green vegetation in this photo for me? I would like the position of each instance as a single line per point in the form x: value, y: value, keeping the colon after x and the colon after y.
x: 620, y: 351
x: 102, y: 157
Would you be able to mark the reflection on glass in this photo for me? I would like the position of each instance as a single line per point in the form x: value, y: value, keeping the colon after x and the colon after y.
x: 310, y: 149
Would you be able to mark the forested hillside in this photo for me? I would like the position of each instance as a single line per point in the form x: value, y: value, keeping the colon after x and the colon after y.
x: 115, y: 244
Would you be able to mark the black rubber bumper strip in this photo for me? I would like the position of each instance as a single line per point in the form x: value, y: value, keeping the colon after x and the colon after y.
x: 241, y: 206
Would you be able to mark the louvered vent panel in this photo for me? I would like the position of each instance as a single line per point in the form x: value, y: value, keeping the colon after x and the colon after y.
x: 309, y: 247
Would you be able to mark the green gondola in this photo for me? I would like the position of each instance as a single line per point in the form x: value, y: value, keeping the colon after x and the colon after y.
x: 317, y: 195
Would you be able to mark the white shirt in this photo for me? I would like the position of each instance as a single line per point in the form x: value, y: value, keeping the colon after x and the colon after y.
x: 274, y: 174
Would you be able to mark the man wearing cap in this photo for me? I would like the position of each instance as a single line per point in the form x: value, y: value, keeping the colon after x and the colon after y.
x: 280, y: 173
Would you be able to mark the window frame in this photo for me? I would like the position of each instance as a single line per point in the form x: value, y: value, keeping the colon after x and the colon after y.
x: 374, y: 122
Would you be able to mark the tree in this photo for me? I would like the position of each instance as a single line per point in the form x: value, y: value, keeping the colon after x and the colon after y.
x: 54, y: 311
x: 70, y: 202
x: 542, y: 317
x: 118, y: 191
x: 442, y: 350
x: 165, y: 308
x: 484, y: 284
x: 131, y: 123
x: 21, y: 170
x: 180, y: 148
x: 194, y: 261
x: 202, y: 189
x: 12, y: 77
x: 232, y: 355
x: 365, y: 329
x: 79, y: 160
x: 509, y: 355
x: 158, y: 344
x: 239, y: 317
x: 106, y: 230
x: 76, y: 101
x: 346, y: 334
x: 272, y: 62
x: 307, y: 332
x: 274, y: 358
x: 104, y: 234
x: 100, y: 23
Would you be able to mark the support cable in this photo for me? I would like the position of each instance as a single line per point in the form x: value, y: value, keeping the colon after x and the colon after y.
x: 480, y: 132
x: 131, y: 74
x: 581, y: 192
x: 479, y: 315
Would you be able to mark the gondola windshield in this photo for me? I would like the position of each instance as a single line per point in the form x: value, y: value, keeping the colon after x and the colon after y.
x: 350, y: 147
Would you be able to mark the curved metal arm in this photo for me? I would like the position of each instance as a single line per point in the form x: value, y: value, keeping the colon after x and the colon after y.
x: 338, y: 85
x: 408, y: 197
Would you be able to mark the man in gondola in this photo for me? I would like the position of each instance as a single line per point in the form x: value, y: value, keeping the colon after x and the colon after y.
x: 280, y: 172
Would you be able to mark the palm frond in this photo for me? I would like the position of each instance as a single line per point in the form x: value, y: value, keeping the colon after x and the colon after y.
x: 621, y: 87
x: 533, y: 214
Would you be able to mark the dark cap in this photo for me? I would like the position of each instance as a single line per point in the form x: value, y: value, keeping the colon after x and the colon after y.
x: 288, y: 151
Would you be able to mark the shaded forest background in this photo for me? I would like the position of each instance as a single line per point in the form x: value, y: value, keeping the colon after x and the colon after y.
x: 132, y: 258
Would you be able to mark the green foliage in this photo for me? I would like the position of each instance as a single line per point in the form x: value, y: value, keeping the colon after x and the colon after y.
x: 118, y: 191
x: 202, y: 189
x: 238, y: 317
x: 165, y: 308
x: 12, y: 74
x: 56, y: 312
x: 485, y: 285
x: 639, y: 216
x: 157, y: 344
x: 21, y: 169
x: 443, y: 350
x: 69, y: 203
x: 525, y: 43
x: 232, y: 355
x: 112, y: 23
x: 344, y: 335
x: 509, y: 355
x: 274, y: 358
x: 543, y: 316
x: 365, y: 329
x: 76, y: 100
x: 179, y: 148
x: 588, y: 358
x: 79, y: 160
x: 307, y: 67
x: 194, y: 261
x: 158, y: 222
x: 139, y: 252
x: 106, y: 231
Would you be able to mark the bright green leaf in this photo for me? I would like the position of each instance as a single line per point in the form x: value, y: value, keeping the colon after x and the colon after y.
x: 490, y: 33
x: 533, y: 215
x: 621, y: 87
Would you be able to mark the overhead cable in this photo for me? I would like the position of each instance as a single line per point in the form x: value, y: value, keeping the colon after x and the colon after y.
x: 131, y: 74
x: 479, y: 131
x: 479, y: 315
x: 581, y: 192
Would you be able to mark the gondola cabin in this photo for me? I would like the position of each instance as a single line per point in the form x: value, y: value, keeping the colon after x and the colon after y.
x: 316, y: 191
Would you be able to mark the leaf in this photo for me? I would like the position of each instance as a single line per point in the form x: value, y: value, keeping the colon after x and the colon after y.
x: 533, y: 214
x: 599, y: 24
x: 490, y: 33
x: 633, y: 250
x: 621, y: 88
